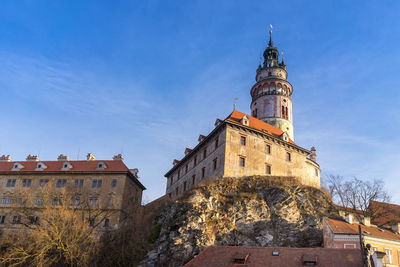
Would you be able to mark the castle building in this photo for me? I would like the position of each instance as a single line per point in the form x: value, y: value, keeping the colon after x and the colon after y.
x: 243, y: 145
x: 106, y: 185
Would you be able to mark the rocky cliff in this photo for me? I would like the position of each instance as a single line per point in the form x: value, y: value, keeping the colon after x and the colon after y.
x: 251, y: 211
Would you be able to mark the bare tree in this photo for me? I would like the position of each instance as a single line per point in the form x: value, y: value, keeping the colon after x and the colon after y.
x: 58, y: 228
x: 357, y: 194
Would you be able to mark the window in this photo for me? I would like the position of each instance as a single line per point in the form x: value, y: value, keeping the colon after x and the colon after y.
x: 61, y: 183
x: 242, y: 162
x: 186, y: 168
x: 203, y: 172
x: 106, y: 222
x: 268, y: 149
x: 78, y: 183
x: 10, y: 183
x: 288, y: 156
x: 57, y: 202
x: 184, y: 186
x: 349, y: 245
x: 398, y: 255
x: 205, y: 153
x: 255, y: 113
x: 243, y: 140
x: 195, y: 161
x: 91, y: 222
x: 38, y: 201
x: 26, y: 183
x: 6, y: 200
x: 100, y: 165
x: 65, y: 166
x: 388, y: 256
x: 33, y: 219
x: 16, y: 219
x: 193, y: 179
x: 179, y: 174
x: 75, y: 201
x: 268, y: 169
x: 114, y: 183
x: 316, y: 172
x: 216, y: 143
x: 96, y: 183
x: 214, y: 164
x: 2, y: 219
x: 43, y: 182
x: 176, y: 191
x: 39, y: 166
x: 172, y: 180
x: 93, y: 201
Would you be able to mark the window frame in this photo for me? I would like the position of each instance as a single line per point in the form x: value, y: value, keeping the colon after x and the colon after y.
x: 242, y: 161
x: 243, y: 140
x: 268, y: 169
x: 268, y: 149
x: 288, y: 156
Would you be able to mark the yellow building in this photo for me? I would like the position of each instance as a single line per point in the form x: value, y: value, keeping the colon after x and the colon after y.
x: 107, y: 185
x: 244, y: 145
x: 345, y: 234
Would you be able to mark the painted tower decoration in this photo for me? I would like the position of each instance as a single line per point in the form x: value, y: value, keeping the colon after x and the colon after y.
x: 271, y: 95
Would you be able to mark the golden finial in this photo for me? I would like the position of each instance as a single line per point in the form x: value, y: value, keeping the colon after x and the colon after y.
x: 270, y: 29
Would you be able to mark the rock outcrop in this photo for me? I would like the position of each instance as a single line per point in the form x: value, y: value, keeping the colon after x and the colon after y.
x: 251, y: 211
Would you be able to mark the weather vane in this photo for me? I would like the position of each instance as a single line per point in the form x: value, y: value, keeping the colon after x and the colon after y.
x: 234, y: 103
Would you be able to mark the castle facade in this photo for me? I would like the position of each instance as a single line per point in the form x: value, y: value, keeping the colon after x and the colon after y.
x: 243, y: 145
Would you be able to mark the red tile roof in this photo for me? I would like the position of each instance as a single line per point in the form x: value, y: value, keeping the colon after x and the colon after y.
x: 237, y: 116
x: 78, y: 166
x: 343, y: 227
x: 391, y: 213
x: 56, y: 166
x: 288, y: 257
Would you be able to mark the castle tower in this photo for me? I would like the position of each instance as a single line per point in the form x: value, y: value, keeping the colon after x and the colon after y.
x: 271, y: 95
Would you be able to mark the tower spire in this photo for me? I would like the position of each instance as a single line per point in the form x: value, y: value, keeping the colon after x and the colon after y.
x: 270, y: 43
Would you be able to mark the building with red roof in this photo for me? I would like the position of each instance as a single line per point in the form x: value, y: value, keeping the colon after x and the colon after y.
x: 228, y: 256
x: 345, y: 234
x: 107, y: 185
x: 244, y: 145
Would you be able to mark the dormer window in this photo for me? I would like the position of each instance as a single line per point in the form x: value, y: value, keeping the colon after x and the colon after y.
x: 66, y: 166
x: 101, y: 165
x: 245, y: 121
x: 40, y: 166
x: 17, y: 166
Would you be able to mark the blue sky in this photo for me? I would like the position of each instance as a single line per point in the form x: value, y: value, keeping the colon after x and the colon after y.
x: 145, y: 78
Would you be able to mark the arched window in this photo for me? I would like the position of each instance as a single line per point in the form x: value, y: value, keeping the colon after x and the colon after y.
x: 286, y: 113
x: 283, y: 112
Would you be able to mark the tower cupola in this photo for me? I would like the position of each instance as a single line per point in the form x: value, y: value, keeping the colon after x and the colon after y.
x: 272, y: 93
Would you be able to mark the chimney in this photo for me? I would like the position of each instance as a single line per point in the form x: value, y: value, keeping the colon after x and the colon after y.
x: 217, y: 122
x: 201, y: 138
x: 62, y: 157
x: 349, y: 218
x: 118, y: 157
x: 90, y: 157
x: 5, y: 158
x: 395, y: 227
x: 188, y: 150
x: 367, y: 221
x: 313, y: 154
x: 32, y: 158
